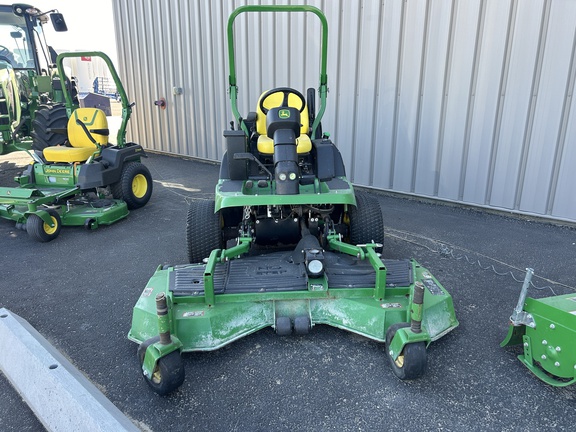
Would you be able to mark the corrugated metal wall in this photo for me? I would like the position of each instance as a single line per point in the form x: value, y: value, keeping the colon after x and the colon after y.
x: 462, y: 100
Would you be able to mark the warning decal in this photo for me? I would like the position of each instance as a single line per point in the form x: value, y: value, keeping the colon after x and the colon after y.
x: 432, y: 287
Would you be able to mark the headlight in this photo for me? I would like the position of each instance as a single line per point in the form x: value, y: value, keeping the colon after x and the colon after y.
x: 314, y: 259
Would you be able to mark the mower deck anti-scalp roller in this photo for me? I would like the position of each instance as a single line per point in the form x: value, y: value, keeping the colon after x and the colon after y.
x: 286, y: 243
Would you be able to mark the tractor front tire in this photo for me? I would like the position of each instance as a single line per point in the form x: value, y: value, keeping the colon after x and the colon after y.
x: 40, y: 230
x: 134, y: 186
x: 48, y: 117
x: 366, y: 222
x: 203, y: 230
x: 411, y: 363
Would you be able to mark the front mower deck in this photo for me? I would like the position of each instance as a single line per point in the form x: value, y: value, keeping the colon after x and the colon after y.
x: 211, y: 305
x: 74, y: 209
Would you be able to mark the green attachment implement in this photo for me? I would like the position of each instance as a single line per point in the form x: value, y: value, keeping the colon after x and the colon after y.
x: 546, y: 329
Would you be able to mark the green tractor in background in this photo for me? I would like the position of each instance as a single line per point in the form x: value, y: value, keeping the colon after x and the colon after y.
x: 31, y: 97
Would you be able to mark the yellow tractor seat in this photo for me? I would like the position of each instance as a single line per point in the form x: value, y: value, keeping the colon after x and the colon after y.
x: 83, y: 147
x: 265, y: 144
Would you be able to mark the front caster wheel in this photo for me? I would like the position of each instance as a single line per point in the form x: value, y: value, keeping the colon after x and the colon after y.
x: 411, y: 363
x: 168, y: 374
x: 40, y: 230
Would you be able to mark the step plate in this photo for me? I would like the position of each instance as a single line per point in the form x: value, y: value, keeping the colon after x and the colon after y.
x: 276, y: 272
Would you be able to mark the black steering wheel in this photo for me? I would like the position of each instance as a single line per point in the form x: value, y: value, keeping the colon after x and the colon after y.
x: 5, y: 54
x: 286, y: 91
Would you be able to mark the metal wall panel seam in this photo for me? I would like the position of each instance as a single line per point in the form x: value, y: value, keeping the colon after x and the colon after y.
x: 137, y: 85
x: 526, y: 141
x: 134, y: 61
x: 274, y: 63
x: 445, y: 90
x: 223, y: 66
x: 423, y: 57
x: 355, y: 120
x: 242, y: 38
x: 471, y: 95
x: 260, y: 52
x: 561, y: 140
x: 140, y: 58
x: 183, y: 114
x: 123, y: 27
x: 377, y: 93
x: 338, y: 50
x: 290, y: 49
x: 222, y: 71
x: 211, y: 127
x: 146, y: 75
x: 164, y: 75
x: 189, y: 76
x: 127, y: 66
x: 500, y: 106
x: 305, y: 52
x: 201, y: 135
x: 167, y: 116
x: 206, y: 67
x: 397, y: 93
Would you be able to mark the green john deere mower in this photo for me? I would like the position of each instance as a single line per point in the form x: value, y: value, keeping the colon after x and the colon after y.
x: 288, y: 244
x: 85, y: 182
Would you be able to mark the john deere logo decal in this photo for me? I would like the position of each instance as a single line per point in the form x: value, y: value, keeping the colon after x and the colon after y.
x: 58, y: 170
x: 284, y: 114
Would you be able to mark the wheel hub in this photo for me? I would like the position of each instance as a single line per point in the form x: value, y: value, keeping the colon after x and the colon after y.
x: 48, y: 229
x: 139, y: 186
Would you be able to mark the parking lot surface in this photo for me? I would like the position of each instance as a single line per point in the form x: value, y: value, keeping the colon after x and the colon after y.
x: 78, y: 292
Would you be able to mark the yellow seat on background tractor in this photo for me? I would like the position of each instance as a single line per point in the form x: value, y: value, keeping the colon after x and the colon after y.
x: 82, y: 147
x: 265, y: 144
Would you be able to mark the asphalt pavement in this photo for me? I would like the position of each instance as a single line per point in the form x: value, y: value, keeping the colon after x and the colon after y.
x: 78, y: 292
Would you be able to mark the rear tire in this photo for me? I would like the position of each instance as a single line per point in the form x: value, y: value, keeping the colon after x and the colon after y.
x: 40, y: 230
x: 203, y: 230
x: 366, y: 222
x: 134, y: 186
x: 49, y: 116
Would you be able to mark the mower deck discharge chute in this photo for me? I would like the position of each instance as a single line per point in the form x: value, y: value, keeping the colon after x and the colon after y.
x: 286, y: 243
x: 86, y: 182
